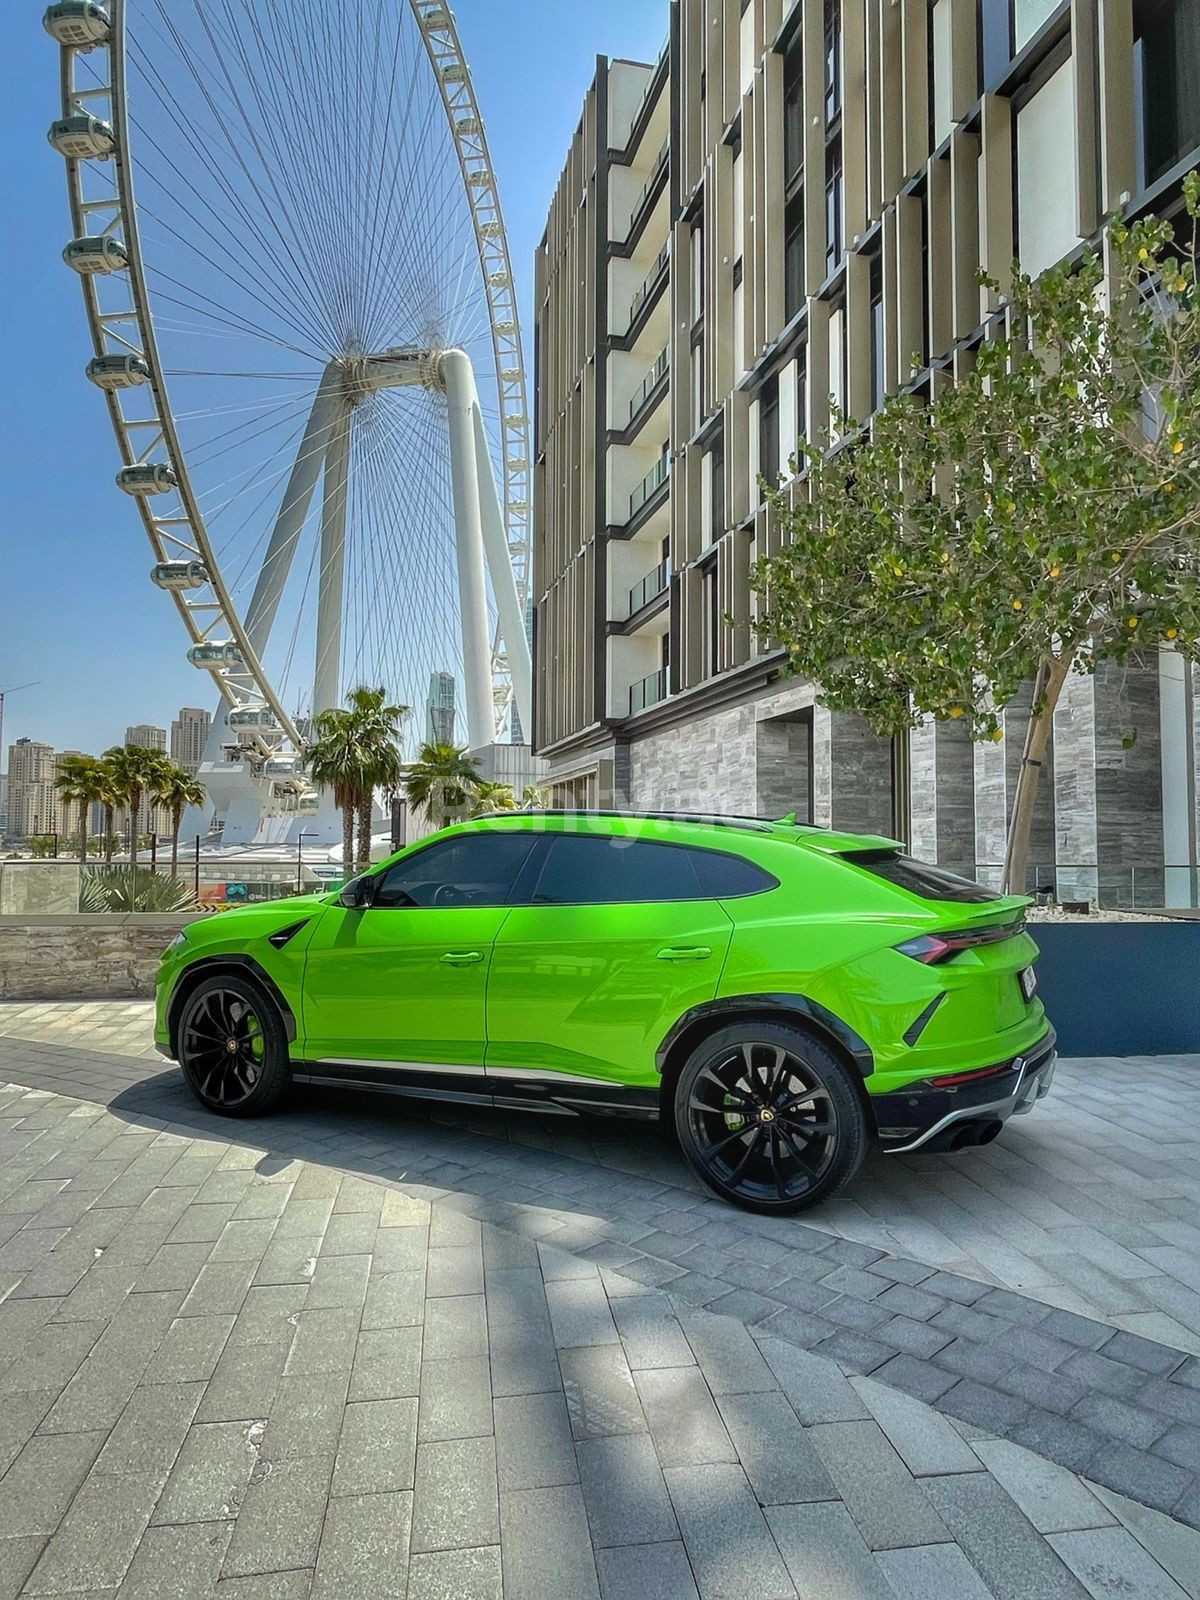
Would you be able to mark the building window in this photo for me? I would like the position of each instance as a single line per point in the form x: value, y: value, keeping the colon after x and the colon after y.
x: 1028, y: 16
x: 1167, y: 81
x: 833, y: 59
x: 793, y: 113
x: 995, y: 39
x: 712, y: 620
x: 878, y: 365
x: 793, y: 255
x: 768, y: 431
x: 833, y: 203
x: 716, y: 479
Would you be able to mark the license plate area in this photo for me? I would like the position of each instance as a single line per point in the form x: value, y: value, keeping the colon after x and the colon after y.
x: 1027, y: 978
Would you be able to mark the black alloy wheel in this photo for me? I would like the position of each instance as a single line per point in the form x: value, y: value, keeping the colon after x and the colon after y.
x: 769, y: 1118
x: 233, y: 1048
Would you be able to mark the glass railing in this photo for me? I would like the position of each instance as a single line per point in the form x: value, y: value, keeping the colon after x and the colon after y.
x: 660, y: 162
x: 638, y: 398
x: 648, y: 691
x: 651, y: 586
x: 650, y: 283
x: 656, y: 476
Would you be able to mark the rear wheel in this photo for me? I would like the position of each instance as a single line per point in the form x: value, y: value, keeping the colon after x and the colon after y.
x: 233, y: 1047
x: 769, y: 1117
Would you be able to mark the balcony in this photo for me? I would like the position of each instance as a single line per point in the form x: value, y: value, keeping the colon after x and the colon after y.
x: 656, y: 172
x: 647, y: 386
x: 648, y: 691
x: 650, y: 587
x: 653, y: 480
x: 650, y: 284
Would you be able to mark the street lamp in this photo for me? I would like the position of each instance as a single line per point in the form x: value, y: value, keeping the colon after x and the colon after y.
x: 300, y: 838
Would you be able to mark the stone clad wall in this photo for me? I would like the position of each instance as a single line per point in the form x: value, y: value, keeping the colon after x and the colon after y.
x: 113, y: 957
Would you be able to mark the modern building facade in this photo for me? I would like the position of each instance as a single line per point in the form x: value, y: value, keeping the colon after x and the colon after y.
x: 792, y: 203
x: 33, y: 804
x: 146, y: 737
x: 189, y: 735
x: 439, y: 708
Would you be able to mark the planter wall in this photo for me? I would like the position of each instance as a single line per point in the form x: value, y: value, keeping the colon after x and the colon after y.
x: 1121, y: 988
x: 101, y: 957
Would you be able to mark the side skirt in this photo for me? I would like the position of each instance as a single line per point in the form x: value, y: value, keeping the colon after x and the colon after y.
x: 511, y: 1088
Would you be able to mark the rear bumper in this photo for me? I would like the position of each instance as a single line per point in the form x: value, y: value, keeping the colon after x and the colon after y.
x: 972, y: 1112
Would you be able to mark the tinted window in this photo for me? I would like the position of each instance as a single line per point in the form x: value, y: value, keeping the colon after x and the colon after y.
x: 605, y: 871
x: 476, y: 870
x: 919, y: 877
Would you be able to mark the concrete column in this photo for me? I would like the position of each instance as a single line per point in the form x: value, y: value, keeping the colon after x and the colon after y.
x: 852, y: 775
x: 942, y: 788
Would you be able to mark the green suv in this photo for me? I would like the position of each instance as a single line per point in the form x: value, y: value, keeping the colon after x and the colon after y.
x: 783, y: 995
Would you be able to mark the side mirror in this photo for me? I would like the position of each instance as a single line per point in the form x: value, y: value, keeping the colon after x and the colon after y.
x: 358, y: 892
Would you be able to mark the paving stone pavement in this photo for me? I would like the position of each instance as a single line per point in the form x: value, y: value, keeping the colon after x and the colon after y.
x: 1086, y: 1390
x: 226, y: 1370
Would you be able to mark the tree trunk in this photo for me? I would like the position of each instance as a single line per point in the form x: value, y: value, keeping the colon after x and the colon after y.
x: 176, y: 820
x: 83, y: 830
x: 135, y: 806
x: 366, y: 806
x: 108, y: 828
x: 348, y: 839
x: 1052, y: 674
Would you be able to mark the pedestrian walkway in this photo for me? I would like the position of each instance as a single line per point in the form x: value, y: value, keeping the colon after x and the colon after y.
x: 231, y: 1370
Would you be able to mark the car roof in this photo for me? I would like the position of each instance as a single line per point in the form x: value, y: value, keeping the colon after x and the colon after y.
x: 713, y: 829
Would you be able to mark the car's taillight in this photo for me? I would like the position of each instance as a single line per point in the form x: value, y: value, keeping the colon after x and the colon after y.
x: 931, y: 948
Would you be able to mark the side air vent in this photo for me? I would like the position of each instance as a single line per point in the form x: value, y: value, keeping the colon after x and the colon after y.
x: 281, y: 936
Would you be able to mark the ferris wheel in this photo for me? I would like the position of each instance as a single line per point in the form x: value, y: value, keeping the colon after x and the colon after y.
x: 288, y: 233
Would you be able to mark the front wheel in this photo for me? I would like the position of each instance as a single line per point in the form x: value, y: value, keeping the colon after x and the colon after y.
x: 233, y: 1048
x: 769, y: 1118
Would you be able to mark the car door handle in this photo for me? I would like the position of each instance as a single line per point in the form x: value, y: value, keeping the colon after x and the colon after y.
x: 462, y: 958
x: 685, y: 952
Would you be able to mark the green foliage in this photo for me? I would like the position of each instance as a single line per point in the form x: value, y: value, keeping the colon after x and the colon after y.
x: 357, y: 751
x: 41, y: 845
x: 444, y: 781
x: 492, y: 797
x: 130, y: 888
x: 1031, y: 519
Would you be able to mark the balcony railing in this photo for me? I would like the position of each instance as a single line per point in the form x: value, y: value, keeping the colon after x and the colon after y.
x: 650, y: 282
x: 638, y: 398
x: 648, y: 691
x: 660, y: 162
x: 656, y: 476
x: 651, y: 586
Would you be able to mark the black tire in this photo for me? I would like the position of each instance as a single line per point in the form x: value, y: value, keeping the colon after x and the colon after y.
x: 769, y: 1118
x: 233, y: 1048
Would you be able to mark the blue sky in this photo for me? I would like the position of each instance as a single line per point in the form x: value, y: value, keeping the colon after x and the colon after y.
x: 77, y: 611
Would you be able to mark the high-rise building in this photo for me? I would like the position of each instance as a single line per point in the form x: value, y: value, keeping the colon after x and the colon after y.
x: 33, y: 805
x: 189, y: 735
x: 439, y: 708
x: 146, y: 737
x: 790, y: 203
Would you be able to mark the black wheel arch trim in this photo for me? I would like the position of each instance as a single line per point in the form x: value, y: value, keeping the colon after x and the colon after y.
x: 729, y: 1007
x: 213, y: 966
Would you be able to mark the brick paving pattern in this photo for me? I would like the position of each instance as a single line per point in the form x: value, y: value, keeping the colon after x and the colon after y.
x: 228, y: 1371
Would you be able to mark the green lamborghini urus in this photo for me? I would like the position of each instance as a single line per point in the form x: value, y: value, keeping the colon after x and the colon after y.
x: 783, y: 996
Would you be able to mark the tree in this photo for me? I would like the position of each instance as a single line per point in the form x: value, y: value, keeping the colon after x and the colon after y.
x: 491, y: 798
x: 383, y: 763
x: 534, y: 797
x: 177, y: 788
x: 1034, y: 518
x: 444, y: 781
x: 355, y: 752
x: 110, y: 799
x: 80, y: 781
x: 133, y: 773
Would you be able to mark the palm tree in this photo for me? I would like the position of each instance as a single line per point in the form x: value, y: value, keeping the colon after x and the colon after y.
x: 534, y: 797
x: 336, y: 762
x: 493, y: 797
x: 356, y: 752
x: 81, y: 782
x: 443, y: 779
x: 110, y: 799
x: 177, y: 788
x: 383, y: 764
x: 134, y: 773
